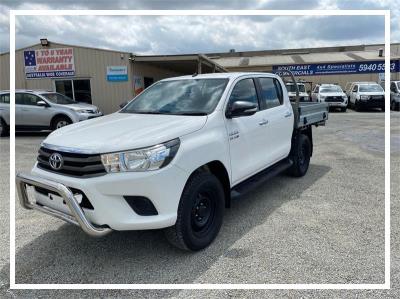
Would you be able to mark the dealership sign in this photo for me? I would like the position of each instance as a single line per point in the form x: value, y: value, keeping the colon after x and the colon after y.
x: 49, y: 63
x: 337, y: 68
x: 117, y: 73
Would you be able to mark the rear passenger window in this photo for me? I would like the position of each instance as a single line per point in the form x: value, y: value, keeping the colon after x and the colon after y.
x: 5, y: 99
x: 244, y: 90
x: 271, y: 92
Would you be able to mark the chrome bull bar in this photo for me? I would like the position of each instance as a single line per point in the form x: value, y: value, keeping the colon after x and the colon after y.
x: 78, y: 216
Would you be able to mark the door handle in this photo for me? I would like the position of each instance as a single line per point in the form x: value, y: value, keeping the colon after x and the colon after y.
x: 263, y: 122
x: 288, y: 114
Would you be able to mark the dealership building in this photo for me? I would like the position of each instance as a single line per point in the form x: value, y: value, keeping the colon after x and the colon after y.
x: 338, y: 65
x: 105, y: 78
x: 108, y: 78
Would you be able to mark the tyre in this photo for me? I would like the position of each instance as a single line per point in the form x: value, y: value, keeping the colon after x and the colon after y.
x: 200, y: 213
x: 4, y: 129
x: 392, y: 105
x: 383, y: 109
x: 300, y: 155
x: 357, y: 106
x: 343, y: 109
x: 59, y: 122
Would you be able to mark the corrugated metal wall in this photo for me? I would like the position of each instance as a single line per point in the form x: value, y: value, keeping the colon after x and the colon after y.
x: 89, y: 64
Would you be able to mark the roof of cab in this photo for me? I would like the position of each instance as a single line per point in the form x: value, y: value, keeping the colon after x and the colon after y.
x: 233, y: 75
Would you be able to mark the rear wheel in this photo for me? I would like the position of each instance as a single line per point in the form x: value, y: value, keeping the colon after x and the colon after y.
x: 200, y: 213
x: 4, y: 130
x: 59, y: 122
x: 343, y: 109
x: 300, y: 155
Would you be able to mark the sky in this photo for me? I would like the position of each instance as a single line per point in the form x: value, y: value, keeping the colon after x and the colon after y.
x: 148, y: 35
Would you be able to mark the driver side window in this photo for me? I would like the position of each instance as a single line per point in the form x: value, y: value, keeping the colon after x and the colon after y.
x: 244, y: 90
x: 31, y: 99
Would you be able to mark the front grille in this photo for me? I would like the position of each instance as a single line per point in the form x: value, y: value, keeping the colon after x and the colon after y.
x: 377, y: 97
x: 334, y: 99
x: 77, y: 165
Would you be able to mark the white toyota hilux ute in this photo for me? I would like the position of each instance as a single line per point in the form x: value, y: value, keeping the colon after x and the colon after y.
x: 173, y: 157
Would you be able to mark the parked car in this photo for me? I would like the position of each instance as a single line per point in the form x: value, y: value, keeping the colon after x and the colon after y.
x: 395, y: 95
x: 291, y: 89
x: 366, y: 95
x: 173, y: 157
x: 43, y: 110
x: 331, y: 94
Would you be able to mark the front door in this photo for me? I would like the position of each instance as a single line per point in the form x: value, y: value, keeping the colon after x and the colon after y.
x: 32, y: 114
x: 244, y: 133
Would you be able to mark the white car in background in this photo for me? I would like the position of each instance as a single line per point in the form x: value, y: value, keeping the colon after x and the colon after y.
x: 395, y: 95
x: 331, y: 94
x: 291, y: 89
x: 364, y: 95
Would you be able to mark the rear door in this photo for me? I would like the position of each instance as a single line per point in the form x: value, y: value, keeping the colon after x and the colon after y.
x: 279, y: 117
x: 19, y: 105
x: 5, y: 107
x: 246, y: 137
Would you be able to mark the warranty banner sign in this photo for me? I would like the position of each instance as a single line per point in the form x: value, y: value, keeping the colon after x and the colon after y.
x: 49, y: 63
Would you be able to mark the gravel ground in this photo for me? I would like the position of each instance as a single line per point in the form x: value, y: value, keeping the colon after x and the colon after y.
x: 327, y: 227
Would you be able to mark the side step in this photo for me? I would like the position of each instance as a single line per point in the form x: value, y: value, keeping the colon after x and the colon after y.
x: 260, y: 178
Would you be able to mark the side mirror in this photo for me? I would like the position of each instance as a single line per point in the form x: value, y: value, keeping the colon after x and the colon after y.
x: 42, y: 104
x: 241, y: 108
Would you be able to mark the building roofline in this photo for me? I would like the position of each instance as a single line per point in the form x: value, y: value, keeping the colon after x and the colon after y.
x: 68, y: 45
x: 295, y: 51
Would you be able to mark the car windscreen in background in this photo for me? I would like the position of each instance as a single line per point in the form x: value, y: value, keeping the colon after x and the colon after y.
x: 370, y: 88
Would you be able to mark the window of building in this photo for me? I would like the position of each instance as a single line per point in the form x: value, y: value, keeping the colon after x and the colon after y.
x: 77, y: 89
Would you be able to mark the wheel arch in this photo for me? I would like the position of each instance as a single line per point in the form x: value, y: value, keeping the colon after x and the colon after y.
x: 57, y: 116
x: 218, y: 169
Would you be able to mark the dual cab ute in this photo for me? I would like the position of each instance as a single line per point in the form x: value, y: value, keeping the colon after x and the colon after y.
x: 173, y: 157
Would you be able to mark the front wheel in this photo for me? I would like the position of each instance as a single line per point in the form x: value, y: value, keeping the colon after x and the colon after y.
x: 300, y: 155
x: 200, y: 213
x: 59, y: 122
x: 343, y: 109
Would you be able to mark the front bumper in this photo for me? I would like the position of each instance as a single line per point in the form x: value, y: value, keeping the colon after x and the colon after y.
x: 337, y: 104
x: 372, y: 103
x: 106, y: 195
x: 77, y: 215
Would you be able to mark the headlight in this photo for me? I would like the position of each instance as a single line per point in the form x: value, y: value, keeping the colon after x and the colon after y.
x: 82, y: 111
x: 364, y: 97
x: 150, y: 158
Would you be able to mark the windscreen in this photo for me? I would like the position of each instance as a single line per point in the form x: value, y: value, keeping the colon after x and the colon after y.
x: 179, y: 97
x: 292, y: 88
x: 370, y: 88
x: 330, y: 89
x: 58, y: 98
